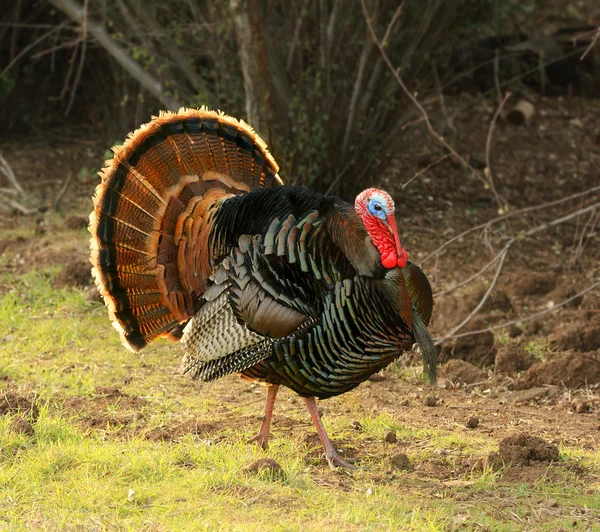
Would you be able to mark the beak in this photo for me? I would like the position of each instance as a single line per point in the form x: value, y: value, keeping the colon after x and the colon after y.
x: 401, y: 253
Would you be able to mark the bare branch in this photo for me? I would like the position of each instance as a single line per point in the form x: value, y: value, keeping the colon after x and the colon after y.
x: 421, y: 172
x: 512, y: 214
x: 149, y: 82
x: 592, y: 44
x: 420, y: 107
x: 24, y: 51
x: 502, y: 256
x: 526, y: 318
x: 488, y: 145
x: 10, y: 175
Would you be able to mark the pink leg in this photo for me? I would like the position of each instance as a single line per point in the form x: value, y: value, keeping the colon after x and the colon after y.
x: 331, y: 455
x: 262, y: 438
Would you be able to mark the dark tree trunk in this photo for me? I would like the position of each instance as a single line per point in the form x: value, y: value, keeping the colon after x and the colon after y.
x: 261, y: 111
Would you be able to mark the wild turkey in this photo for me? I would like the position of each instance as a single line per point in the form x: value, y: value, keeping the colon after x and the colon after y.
x: 195, y: 237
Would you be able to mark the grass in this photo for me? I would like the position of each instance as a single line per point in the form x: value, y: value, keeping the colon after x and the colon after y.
x: 92, y: 463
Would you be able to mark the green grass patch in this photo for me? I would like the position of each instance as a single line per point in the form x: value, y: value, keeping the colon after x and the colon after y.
x: 167, y: 453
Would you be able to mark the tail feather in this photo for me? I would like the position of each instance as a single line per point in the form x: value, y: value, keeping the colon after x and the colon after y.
x: 153, y: 213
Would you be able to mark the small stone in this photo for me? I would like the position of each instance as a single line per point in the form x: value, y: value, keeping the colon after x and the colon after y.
x: 473, y: 422
x: 430, y: 400
x: 22, y: 426
x: 400, y: 461
x: 580, y: 405
x: 391, y: 437
x: 376, y: 377
x: 266, y: 466
x: 405, y: 402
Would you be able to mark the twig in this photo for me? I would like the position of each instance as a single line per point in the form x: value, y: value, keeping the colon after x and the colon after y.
x: 526, y: 318
x: 584, y: 231
x: 441, y: 97
x: 497, y: 75
x: 502, y: 255
x: 11, y: 204
x: 82, y: 57
x: 421, y: 172
x: 467, y: 281
x: 525, y: 210
x: 392, y: 22
x: 592, y: 44
x: 10, y: 175
x: 338, y: 177
x: 495, y: 409
x: 63, y: 190
x: 30, y: 46
x: 420, y: 107
x: 299, y: 22
x: 488, y: 145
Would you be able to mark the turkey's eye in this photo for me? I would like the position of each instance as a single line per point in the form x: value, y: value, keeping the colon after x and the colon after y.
x: 376, y: 209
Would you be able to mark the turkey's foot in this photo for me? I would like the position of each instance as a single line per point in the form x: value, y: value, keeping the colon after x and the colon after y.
x: 331, y: 455
x: 335, y: 460
x: 262, y: 438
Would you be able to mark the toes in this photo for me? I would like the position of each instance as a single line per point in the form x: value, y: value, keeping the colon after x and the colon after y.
x: 336, y: 460
x: 261, y: 440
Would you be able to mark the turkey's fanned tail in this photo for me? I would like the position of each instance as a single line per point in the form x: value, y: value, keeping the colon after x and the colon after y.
x: 153, y: 212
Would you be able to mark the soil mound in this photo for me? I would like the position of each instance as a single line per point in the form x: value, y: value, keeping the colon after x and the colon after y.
x: 461, y: 372
x: 512, y: 359
x: 573, y: 370
x: 523, y: 450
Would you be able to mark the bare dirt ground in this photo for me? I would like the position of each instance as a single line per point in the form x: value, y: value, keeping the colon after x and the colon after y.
x: 538, y: 377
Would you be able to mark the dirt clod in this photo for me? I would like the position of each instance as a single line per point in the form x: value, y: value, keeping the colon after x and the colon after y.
x: 573, y: 370
x: 430, y: 400
x: 579, y: 337
x: 20, y: 425
x: 401, y: 461
x: 562, y: 293
x: 581, y: 405
x: 173, y: 432
x: 75, y: 274
x: 76, y: 221
x: 498, y: 300
x: 523, y: 450
x: 526, y: 283
x: 391, y: 437
x: 266, y: 466
x: 473, y: 422
x: 12, y: 402
x: 461, y: 372
x: 476, y: 348
x: 512, y: 359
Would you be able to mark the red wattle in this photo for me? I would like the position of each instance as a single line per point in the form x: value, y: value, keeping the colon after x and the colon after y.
x: 389, y: 261
x: 403, y: 258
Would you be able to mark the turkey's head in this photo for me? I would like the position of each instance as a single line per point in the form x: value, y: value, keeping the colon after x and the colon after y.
x: 376, y: 210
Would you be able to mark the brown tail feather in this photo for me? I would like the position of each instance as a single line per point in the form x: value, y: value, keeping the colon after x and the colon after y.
x: 152, y: 216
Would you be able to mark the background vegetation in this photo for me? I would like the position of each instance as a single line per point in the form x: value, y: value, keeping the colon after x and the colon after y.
x: 305, y: 73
